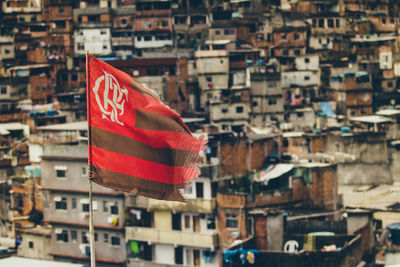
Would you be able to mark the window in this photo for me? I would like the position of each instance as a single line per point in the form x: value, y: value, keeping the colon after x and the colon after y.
x: 105, y: 47
x: 321, y: 23
x: 306, y: 78
x: 211, y: 223
x: 330, y: 23
x: 85, y: 207
x: 74, y: 77
x: 239, y: 109
x: 60, y: 173
x: 390, y: 84
x: 74, y: 236
x: 383, y: 20
x: 74, y: 203
x: 307, y: 60
x: 61, y: 235
x: 115, y: 241
x: 314, y: 23
x: 3, y: 90
x: 255, y: 103
x: 187, y: 222
x: 84, y: 238
x: 231, y: 221
x: 38, y: 88
x: 103, y: 32
x: 285, y: 52
x: 114, y: 209
x: 391, y: 21
x: 296, y: 36
x: 209, y: 79
x: 224, y: 110
x: 272, y: 102
x: 337, y: 23
x: 217, y: 32
x: 96, y: 237
x: 271, y: 85
x: 61, y: 10
x: 123, y: 22
x: 199, y: 190
x: 105, y: 238
x: 30, y: 243
x: 297, y: 52
x: 84, y: 171
x: 81, y: 46
x: 61, y: 203
x: 7, y: 51
x: 147, y: 38
x: 284, y: 36
x: 105, y: 206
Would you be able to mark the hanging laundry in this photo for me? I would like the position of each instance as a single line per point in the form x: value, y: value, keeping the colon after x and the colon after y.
x: 250, y: 257
x: 135, y: 247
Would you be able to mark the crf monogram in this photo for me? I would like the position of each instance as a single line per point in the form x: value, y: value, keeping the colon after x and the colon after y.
x: 111, y: 101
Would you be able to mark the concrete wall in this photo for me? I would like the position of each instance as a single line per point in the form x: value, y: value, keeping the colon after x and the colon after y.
x: 77, y: 215
x: 229, y: 111
x: 300, y: 78
x: 219, y: 80
x: 364, y: 173
x: 395, y: 165
x: 392, y: 258
x: 321, y: 42
x: 274, y: 231
x: 299, y: 118
x: 261, y: 88
x: 40, y: 249
x: 104, y: 250
x: 96, y: 41
x: 310, y: 62
x: 366, y: 147
x: 164, y: 254
x: 163, y: 219
x: 214, y: 61
x: 76, y: 178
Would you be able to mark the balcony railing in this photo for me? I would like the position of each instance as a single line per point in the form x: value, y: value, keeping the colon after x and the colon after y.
x: 191, y: 205
x: 179, y: 238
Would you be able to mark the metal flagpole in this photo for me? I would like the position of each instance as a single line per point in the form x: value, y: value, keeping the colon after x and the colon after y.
x: 90, y: 173
x: 91, y: 228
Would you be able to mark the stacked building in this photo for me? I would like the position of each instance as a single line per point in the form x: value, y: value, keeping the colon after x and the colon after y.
x: 293, y: 96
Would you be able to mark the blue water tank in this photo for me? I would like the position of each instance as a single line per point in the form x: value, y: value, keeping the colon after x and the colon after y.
x: 394, y: 229
x: 345, y: 129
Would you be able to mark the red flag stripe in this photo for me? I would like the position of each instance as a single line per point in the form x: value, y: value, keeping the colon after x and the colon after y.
x: 137, y: 185
x: 141, y: 168
x: 131, y: 147
x: 160, y: 139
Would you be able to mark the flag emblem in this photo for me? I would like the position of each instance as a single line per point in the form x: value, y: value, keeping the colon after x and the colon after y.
x: 114, y: 97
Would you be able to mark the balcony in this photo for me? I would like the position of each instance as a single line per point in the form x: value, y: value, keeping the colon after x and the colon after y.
x: 126, y: 41
x: 178, y: 238
x: 191, y: 205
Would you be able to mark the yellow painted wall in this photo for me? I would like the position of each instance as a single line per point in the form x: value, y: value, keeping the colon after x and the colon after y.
x: 163, y: 219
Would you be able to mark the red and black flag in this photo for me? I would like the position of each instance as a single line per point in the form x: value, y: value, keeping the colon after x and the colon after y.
x: 136, y: 143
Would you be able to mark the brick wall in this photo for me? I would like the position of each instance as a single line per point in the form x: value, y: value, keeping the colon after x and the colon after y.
x: 324, y: 188
x: 260, y: 232
x: 233, y: 205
